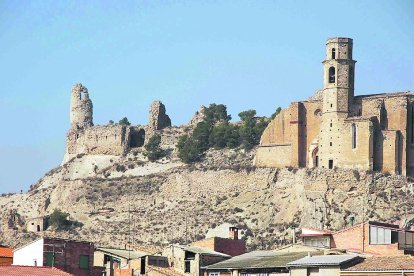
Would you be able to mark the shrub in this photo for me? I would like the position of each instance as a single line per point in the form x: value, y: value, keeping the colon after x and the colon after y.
x: 124, y: 121
x: 153, y: 149
x: 59, y: 220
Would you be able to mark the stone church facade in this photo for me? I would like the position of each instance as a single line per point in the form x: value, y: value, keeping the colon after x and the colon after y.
x: 337, y: 129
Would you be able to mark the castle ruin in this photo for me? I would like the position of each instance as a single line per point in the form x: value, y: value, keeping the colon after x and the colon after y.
x: 337, y: 129
x: 84, y: 137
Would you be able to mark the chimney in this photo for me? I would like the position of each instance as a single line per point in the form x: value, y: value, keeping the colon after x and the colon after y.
x: 233, y: 233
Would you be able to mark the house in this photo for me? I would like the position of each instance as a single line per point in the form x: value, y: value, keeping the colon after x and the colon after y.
x: 74, y: 257
x: 326, y: 265
x: 13, y: 270
x: 316, y: 238
x: 37, y: 224
x: 371, y: 237
x: 384, y: 265
x: 6, y: 256
x: 189, y: 260
x: 231, y: 245
x: 128, y: 260
x: 255, y: 263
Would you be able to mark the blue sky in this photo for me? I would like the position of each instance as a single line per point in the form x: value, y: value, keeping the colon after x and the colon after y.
x: 245, y: 54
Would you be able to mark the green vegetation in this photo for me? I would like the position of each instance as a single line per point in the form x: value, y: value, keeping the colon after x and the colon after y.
x: 59, y: 220
x: 276, y: 112
x: 153, y: 149
x: 124, y: 121
x: 216, y: 131
x: 111, y: 122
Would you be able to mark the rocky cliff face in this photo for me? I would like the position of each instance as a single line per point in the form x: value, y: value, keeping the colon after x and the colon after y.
x: 167, y: 201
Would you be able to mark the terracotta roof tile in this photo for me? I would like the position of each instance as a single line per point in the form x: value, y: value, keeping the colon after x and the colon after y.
x: 6, y: 252
x: 15, y: 270
x: 384, y: 263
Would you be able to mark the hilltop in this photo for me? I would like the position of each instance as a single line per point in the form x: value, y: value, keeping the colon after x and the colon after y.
x: 170, y: 201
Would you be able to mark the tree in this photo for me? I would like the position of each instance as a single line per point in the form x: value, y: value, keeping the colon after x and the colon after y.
x: 153, y: 149
x: 276, y: 112
x: 111, y: 122
x: 247, y: 133
x: 252, y: 128
x: 188, y: 150
x: 232, y: 136
x: 216, y: 113
x: 59, y: 220
x: 259, y: 128
x: 248, y: 115
x: 217, y: 137
x: 124, y: 121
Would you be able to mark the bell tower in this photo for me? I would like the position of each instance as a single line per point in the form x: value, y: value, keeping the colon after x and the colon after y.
x: 338, y: 94
x: 338, y: 76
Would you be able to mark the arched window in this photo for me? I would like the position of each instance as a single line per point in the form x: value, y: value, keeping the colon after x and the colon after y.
x: 333, y: 53
x: 331, y: 74
x: 354, y: 136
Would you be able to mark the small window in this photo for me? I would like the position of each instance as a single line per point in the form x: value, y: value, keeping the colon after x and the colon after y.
x: 354, y: 136
x: 333, y: 53
x: 50, y: 259
x: 84, y: 261
x: 38, y: 228
x: 331, y: 74
x: 187, y: 268
x: 330, y: 164
x: 330, y: 144
x: 412, y: 125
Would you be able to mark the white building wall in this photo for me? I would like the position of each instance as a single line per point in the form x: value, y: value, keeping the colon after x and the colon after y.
x: 31, y: 254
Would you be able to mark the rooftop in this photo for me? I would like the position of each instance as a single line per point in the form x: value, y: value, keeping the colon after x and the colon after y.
x: 123, y: 253
x: 325, y: 260
x: 6, y: 252
x: 14, y: 270
x: 404, y: 262
x: 259, y: 259
x: 201, y: 250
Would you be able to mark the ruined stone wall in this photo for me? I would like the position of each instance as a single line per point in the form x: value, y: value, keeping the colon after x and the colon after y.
x: 158, y: 119
x: 109, y: 139
x: 81, y: 109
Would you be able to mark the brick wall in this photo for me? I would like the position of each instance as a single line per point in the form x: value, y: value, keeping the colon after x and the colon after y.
x: 357, y: 238
x: 67, y: 255
x: 227, y: 246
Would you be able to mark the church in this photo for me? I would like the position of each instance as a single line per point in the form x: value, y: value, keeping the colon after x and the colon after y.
x: 335, y: 129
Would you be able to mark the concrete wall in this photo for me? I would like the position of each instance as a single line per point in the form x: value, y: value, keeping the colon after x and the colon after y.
x: 35, y: 225
x: 31, y: 254
x: 323, y: 271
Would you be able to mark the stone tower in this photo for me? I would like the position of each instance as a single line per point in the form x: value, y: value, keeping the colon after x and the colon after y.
x: 338, y: 76
x: 158, y: 118
x: 338, y: 94
x: 81, y: 109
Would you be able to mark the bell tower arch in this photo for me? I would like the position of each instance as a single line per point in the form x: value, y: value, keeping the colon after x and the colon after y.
x: 338, y: 80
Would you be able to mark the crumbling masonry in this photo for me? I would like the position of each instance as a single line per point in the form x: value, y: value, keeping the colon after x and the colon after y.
x: 112, y: 139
